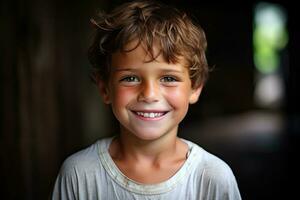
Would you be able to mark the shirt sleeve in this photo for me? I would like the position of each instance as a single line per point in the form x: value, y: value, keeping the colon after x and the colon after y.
x: 226, y: 188
x: 221, y: 184
x: 66, y: 184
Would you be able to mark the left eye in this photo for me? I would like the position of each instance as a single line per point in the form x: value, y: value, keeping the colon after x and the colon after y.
x: 168, y: 79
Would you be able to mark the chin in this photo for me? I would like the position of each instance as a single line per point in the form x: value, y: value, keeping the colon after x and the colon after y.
x: 148, y: 136
x: 146, y: 133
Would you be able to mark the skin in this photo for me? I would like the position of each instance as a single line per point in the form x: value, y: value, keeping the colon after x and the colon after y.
x: 149, y: 99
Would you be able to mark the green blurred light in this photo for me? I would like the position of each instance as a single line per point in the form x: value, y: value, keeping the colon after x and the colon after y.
x: 269, y: 36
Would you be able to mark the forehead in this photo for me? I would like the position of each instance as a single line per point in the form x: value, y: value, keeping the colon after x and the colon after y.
x: 136, y: 50
x: 135, y: 54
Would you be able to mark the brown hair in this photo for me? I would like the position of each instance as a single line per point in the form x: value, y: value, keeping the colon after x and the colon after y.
x: 148, y: 22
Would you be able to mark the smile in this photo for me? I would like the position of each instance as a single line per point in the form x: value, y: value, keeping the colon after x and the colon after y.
x: 149, y: 115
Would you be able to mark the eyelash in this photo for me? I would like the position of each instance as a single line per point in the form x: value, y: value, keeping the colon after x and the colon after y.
x: 129, y: 79
x: 164, y: 79
x: 169, y: 79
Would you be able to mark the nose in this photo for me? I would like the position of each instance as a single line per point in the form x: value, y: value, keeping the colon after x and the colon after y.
x: 149, y: 92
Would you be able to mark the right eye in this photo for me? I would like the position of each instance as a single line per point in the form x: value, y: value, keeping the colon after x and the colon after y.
x: 130, y: 79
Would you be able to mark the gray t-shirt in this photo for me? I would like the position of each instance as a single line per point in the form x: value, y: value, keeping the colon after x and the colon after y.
x: 91, y: 174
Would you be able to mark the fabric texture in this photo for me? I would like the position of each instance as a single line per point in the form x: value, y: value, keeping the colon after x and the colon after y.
x: 91, y: 174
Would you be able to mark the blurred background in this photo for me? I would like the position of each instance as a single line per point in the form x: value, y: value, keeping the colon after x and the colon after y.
x: 248, y: 113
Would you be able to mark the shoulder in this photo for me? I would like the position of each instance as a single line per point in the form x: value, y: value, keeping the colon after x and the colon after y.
x: 214, y: 175
x: 210, y: 165
x: 217, y: 171
x: 79, y: 170
x: 84, y: 160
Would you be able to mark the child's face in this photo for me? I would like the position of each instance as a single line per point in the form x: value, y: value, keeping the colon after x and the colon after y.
x: 149, y: 99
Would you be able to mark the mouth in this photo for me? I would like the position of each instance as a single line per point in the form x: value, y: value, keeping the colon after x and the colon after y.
x: 150, y: 115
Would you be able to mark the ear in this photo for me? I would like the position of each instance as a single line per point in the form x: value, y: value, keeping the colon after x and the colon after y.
x: 195, y: 93
x: 103, y: 91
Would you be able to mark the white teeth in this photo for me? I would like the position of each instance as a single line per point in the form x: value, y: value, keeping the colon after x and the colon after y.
x: 149, y: 115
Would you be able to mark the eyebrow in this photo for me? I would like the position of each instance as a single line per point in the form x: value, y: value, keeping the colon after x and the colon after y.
x: 119, y: 69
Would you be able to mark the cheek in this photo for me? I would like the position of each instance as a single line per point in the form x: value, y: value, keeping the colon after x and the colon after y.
x: 121, y: 96
x: 178, y: 97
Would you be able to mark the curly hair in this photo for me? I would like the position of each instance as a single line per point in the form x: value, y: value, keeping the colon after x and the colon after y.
x: 149, y: 22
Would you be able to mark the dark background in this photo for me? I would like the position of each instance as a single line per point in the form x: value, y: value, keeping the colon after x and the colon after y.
x: 50, y: 109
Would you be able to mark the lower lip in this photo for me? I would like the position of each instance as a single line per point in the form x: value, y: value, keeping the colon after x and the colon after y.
x: 148, y: 118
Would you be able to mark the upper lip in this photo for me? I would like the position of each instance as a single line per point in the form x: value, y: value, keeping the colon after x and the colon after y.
x: 150, y: 111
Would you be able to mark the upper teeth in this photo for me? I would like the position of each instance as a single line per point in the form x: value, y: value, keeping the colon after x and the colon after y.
x: 150, y: 114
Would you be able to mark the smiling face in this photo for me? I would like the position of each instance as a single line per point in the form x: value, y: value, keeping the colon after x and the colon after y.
x: 149, y: 98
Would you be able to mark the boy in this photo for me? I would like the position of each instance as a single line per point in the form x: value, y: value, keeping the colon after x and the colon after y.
x: 150, y: 64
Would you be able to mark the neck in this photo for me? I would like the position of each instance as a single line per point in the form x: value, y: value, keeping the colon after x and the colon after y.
x: 129, y: 147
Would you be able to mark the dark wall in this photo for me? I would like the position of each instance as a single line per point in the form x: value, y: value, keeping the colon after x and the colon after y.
x: 44, y: 77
